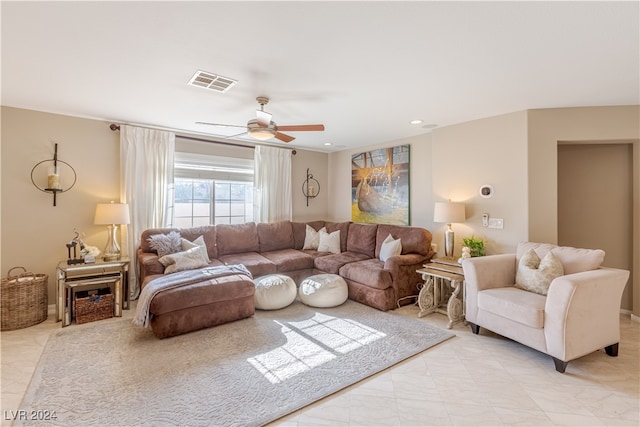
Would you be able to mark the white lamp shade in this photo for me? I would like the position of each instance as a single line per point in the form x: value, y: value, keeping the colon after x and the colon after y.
x: 448, y: 212
x: 112, y: 213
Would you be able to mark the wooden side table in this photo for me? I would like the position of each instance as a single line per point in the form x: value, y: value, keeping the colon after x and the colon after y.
x: 100, y: 274
x: 437, y: 275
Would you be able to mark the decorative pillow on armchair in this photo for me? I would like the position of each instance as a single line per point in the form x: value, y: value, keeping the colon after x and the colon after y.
x: 536, y: 275
x: 186, y: 260
x: 165, y: 244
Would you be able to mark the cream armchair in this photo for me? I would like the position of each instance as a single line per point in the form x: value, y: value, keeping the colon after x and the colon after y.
x: 580, y: 313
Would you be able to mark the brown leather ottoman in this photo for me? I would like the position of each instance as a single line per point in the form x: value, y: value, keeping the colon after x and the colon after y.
x: 201, y: 305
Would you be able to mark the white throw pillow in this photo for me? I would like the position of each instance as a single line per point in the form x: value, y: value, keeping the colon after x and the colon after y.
x: 329, y: 242
x: 390, y: 247
x: 312, y: 238
x: 186, y: 245
x: 186, y: 260
x: 536, y: 275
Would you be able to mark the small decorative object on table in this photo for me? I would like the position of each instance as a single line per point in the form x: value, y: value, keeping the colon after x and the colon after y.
x: 475, y: 245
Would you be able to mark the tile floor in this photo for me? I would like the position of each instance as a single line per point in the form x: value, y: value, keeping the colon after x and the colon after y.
x: 470, y: 380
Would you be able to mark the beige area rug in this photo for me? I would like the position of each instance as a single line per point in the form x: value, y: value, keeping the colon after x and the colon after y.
x: 244, y: 373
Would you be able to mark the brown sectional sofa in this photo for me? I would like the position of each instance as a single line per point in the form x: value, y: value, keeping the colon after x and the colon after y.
x: 267, y: 248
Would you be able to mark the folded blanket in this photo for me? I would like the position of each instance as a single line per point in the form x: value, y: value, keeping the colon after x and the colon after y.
x: 175, y: 280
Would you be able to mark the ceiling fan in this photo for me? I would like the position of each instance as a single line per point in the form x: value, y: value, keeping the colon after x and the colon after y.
x: 263, y: 128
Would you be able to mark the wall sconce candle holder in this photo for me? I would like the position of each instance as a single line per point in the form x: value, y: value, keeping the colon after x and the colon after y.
x: 310, y: 187
x: 53, y: 168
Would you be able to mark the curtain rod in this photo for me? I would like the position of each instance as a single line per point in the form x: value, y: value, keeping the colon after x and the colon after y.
x: 114, y: 127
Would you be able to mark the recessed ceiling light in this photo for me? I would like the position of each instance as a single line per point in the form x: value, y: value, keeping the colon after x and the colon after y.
x: 416, y: 122
x: 328, y: 143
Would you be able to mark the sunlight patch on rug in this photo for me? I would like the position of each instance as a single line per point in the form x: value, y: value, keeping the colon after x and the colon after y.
x: 310, y: 343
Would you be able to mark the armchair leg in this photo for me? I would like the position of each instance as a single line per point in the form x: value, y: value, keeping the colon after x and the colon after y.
x: 612, y: 350
x: 474, y: 328
x: 561, y: 366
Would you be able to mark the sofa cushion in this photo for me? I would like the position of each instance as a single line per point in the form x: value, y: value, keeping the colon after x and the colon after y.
x: 193, y: 258
x: 535, y: 275
x: 165, y: 244
x: 332, y: 263
x: 144, y: 237
x: 237, y: 238
x: 329, y: 242
x: 208, y: 233
x: 362, y: 239
x: 187, y: 244
x: 390, y: 247
x: 414, y: 239
x: 274, y: 236
x: 344, y: 232
x: 514, y: 304
x: 289, y: 259
x: 221, y: 289
x: 312, y: 238
x: 255, y: 263
x: 299, y: 231
x: 369, y: 272
x: 574, y: 260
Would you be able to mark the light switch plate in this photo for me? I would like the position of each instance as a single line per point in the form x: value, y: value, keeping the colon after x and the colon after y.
x: 496, y: 223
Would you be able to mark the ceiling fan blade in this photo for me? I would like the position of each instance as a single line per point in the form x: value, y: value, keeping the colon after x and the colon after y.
x: 298, y: 128
x: 264, y: 118
x: 220, y: 125
x: 283, y: 137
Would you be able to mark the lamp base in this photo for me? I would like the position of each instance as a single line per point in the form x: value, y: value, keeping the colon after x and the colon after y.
x: 448, y: 242
x: 112, y: 250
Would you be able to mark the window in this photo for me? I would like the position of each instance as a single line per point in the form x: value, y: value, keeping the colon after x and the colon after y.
x: 212, y: 190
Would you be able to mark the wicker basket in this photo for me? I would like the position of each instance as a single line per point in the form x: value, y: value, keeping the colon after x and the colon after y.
x: 93, y: 307
x: 24, y: 299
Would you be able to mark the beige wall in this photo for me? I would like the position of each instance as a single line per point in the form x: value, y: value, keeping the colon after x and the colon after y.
x: 487, y: 151
x: 317, y: 163
x: 34, y: 233
x: 549, y: 127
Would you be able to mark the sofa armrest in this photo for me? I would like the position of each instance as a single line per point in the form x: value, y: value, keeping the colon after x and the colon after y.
x: 404, y: 277
x: 487, y: 272
x: 582, y: 312
x: 148, y: 265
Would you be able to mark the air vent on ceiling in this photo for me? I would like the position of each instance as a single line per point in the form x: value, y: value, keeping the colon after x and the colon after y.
x: 211, y: 81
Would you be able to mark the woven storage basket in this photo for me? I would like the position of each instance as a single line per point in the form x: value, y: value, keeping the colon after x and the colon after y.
x: 93, y: 307
x: 24, y: 299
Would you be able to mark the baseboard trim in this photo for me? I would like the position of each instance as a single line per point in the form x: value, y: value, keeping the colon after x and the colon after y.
x: 635, y: 318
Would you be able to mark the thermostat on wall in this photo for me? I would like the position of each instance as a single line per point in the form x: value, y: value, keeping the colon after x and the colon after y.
x: 486, y: 191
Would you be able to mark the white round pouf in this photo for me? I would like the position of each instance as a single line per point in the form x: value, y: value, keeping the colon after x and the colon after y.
x: 323, y: 290
x: 274, y: 291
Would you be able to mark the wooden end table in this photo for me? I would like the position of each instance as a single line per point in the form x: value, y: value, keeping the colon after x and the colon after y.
x: 437, y: 275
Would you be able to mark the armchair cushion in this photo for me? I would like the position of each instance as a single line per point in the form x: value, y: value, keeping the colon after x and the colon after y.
x: 536, y: 275
x: 514, y: 304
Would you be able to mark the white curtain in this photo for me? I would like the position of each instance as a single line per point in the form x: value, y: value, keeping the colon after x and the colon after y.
x: 146, y: 185
x: 272, y: 179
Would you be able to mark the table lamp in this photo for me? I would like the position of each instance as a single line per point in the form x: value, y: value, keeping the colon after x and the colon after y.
x: 112, y: 214
x: 448, y: 213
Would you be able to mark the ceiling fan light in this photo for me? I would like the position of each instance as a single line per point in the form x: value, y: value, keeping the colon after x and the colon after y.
x: 262, y: 134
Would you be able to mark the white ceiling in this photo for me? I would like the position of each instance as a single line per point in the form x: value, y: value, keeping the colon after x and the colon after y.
x: 363, y: 69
